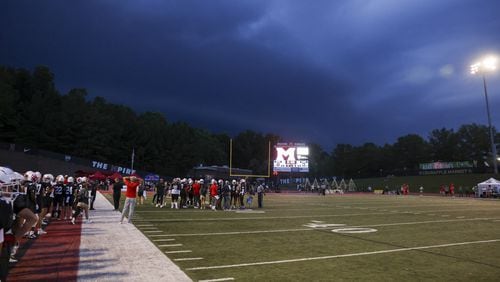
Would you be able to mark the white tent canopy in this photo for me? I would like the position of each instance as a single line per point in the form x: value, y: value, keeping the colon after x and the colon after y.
x: 491, y: 185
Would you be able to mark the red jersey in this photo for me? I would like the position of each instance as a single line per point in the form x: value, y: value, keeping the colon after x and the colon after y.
x: 131, y: 188
x: 213, y: 190
x: 196, y: 189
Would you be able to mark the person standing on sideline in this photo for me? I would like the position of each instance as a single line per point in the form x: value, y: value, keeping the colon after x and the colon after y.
x: 93, y: 194
x: 260, y: 194
x: 132, y: 183
x: 117, y: 192
x: 160, y: 192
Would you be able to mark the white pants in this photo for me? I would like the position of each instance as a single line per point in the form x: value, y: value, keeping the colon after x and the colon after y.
x: 129, y: 207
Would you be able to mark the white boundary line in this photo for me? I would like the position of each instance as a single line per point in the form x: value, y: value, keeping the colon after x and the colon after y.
x: 163, y: 240
x: 152, y: 231
x: 344, y: 255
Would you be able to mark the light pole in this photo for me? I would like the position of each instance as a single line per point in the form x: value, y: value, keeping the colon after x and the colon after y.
x: 487, y: 64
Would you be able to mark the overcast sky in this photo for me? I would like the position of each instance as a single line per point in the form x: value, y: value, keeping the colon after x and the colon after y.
x: 328, y: 72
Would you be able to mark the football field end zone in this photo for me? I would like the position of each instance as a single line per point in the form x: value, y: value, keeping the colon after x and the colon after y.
x: 342, y: 256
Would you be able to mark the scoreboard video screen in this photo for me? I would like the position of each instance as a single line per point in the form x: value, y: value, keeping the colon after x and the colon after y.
x: 291, y: 157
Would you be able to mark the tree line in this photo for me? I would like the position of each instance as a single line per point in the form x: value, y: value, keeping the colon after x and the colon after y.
x: 33, y: 112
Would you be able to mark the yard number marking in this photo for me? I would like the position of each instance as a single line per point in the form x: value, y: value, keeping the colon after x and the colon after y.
x: 340, y: 228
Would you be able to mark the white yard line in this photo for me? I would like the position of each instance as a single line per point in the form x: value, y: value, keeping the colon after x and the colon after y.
x: 287, y: 217
x: 163, y: 240
x: 344, y: 255
x: 178, y: 252
x: 428, y: 221
x: 310, y: 229
x: 217, y: 280
x: 170, y: 245
x: 187, y: 259
x: 238, y: 232
x: 152, y: 231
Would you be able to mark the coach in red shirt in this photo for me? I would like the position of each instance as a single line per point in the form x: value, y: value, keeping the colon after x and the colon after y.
x: 132, y: 183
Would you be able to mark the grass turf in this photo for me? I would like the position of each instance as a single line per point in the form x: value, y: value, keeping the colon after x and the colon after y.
x: 278, y: 243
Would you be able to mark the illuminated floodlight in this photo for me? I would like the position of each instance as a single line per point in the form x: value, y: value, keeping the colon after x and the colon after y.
x: 487, y: 64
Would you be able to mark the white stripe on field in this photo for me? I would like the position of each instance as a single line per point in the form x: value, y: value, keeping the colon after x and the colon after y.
x: 144, y: 225
x: 239, y: 232
x: 152, y: 231
x: 425, y: 222
x: 177, y: 252
x: 344, y: 255
x: 290, y: 217
x: 217, y: 280
x: 186, y: 259
x: 162, y: 240
x: 159, y: 235
x: 310, y: 229
x: 170, y: 245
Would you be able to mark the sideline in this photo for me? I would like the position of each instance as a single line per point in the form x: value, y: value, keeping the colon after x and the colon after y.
x: 110, y: 251
x: 344, y: 255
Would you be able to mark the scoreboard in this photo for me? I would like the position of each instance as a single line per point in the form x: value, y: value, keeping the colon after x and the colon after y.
x: 291, y: 157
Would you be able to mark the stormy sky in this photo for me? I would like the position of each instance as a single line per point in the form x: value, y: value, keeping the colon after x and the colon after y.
x: 328, y: 72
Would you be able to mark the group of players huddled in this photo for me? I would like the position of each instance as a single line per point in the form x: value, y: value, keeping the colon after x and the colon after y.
x: 217, y: 195
x: 36, y: 199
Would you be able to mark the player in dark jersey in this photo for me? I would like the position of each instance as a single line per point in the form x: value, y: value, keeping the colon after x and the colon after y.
x: 69, y: 197
x: 45, y: 191
x: 59, y: 189
x: 24, y: 207
x: 82, y: 200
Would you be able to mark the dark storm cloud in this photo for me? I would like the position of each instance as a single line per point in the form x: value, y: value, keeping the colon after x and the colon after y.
x: 316, y: 71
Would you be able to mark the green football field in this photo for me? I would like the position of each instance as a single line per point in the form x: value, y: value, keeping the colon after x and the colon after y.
x: 306, y: 237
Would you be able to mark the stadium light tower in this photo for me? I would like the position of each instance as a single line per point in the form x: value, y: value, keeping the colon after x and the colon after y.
x: 487, y: 64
